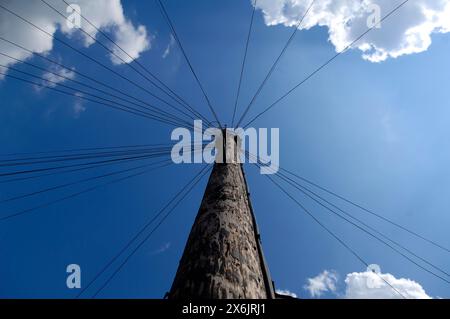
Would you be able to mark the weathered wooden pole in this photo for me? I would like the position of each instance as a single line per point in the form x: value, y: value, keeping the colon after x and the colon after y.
x: 223, y: 258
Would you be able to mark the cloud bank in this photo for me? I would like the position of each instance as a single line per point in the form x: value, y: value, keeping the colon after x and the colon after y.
x: 108, y: 15
x: 366, y: 285
x: 407, y: 31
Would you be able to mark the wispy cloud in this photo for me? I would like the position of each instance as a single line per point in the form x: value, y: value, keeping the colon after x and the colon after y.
x: 78, y: 106
x: 324, y: 282
x: 169, y: 47
x: 162, y: 249
x: 55, y: 76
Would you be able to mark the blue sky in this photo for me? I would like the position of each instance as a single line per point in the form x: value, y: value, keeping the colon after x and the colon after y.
x: 374, y: 132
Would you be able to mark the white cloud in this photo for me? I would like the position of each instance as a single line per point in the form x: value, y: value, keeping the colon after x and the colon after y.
x: 169, y: 47
x: 366, y: 285
x: 408, y: 31
x: 369, y: 285
x: 132, y: 40
x: 286, y: 293
x: 324, y: 282
x: 106, y: 14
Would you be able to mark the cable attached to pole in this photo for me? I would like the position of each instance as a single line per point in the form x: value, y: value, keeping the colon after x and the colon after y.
x: 186, y: 189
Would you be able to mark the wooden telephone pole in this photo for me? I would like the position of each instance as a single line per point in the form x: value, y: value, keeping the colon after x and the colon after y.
x: 223, y: 257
